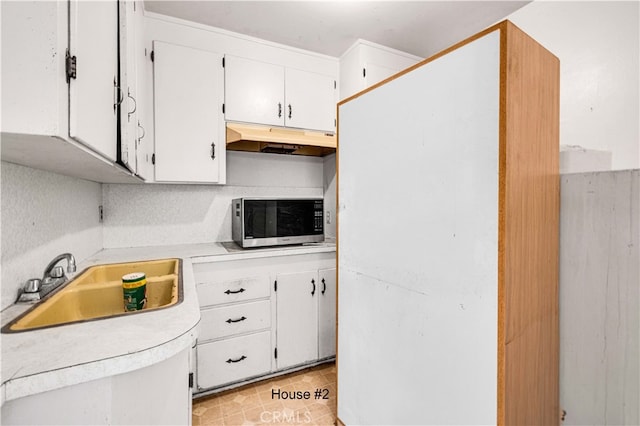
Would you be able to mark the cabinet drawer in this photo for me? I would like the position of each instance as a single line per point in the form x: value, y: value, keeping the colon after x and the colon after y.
x: 233, y: 359
x: 233, y: 290
x: 229, y: 320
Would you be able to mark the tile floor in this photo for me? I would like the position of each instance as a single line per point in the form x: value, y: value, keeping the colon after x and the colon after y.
x: 255, y: 404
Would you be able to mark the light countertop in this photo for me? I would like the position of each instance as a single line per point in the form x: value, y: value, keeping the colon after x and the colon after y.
x: 40, y: 360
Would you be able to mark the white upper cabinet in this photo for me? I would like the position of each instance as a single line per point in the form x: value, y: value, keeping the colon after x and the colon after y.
x: 94, y: 92
x: 310, y: 100
x: 263, y: 93
x: 189, y: 126
x: 59, y: 88
x: 365, y: 64
x: 254, y: 91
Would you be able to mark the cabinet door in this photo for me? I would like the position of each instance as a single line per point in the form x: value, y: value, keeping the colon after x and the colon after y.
x: 254, y: 91
x: 128, y: 76
x: 297, y: 318
x: 189, y: 127
x: 327, y: 313
x: 93, y: 95
x: 310, y: 100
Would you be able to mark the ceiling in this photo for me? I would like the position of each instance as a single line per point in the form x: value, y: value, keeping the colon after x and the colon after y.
x: 331, y: 27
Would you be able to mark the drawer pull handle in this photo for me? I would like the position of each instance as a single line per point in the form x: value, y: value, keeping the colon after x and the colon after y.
x: 234, y: 292
x: 314, y: 287
x: 324, y: 286
x: 236, y: 320
x: 242, y: 358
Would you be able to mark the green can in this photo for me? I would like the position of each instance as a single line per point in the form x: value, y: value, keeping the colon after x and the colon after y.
x: 134, y: 286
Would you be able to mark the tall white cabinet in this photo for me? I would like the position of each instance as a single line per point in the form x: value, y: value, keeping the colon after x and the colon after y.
x: 448, y: 271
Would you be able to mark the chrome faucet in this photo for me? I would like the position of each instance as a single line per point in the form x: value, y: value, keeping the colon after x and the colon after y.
x: 71, y: 265
x: 36, y: 289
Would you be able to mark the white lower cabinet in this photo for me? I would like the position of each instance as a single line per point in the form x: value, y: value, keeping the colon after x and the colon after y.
x: 262, y: 316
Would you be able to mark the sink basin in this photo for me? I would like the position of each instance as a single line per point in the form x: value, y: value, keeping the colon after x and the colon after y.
x: 96, y: 293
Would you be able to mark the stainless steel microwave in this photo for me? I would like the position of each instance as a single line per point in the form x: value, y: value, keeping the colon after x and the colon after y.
x: 260, y: 222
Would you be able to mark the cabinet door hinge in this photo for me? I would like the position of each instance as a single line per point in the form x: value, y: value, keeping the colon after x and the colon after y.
x: 275, y: 353
x: 335, y: 123
x: 153, y: 159
x: 275, y: 285
x: 223, y: 108
x: 70, y: 66
x: 335, y: 84
x: 153, y: 56
x: 191, y: 380
x: 364, y: 72
x: 222, y: 62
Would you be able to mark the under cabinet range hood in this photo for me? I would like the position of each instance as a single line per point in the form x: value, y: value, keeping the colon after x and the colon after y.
x: 279, y: 140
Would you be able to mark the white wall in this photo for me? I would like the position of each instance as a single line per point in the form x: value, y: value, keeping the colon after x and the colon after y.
x: 598, y: 44
x: 599, y: 298
x: 44, y: 214
x: 147, y: 215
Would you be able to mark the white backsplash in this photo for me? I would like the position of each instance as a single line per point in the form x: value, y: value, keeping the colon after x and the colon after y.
x: 44, y: 214
x: 149, y: 215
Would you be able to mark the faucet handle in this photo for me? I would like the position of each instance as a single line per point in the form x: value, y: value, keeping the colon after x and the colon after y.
x: 57, y: 272
x: 32, y: 285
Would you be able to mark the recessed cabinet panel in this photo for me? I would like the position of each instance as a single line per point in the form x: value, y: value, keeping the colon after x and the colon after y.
x: 93, y: 93
x: 254, y: 91
x: 310, y: 100
x: 189, y: 128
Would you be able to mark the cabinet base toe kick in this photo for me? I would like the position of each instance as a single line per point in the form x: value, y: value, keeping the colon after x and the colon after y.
x: 200, y: 393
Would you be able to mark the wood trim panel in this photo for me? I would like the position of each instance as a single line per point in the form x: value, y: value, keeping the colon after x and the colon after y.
x: 502, y: 161
x: 529, y: 289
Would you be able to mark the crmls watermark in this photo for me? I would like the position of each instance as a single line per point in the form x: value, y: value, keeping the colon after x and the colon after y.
x: 286, y: 416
